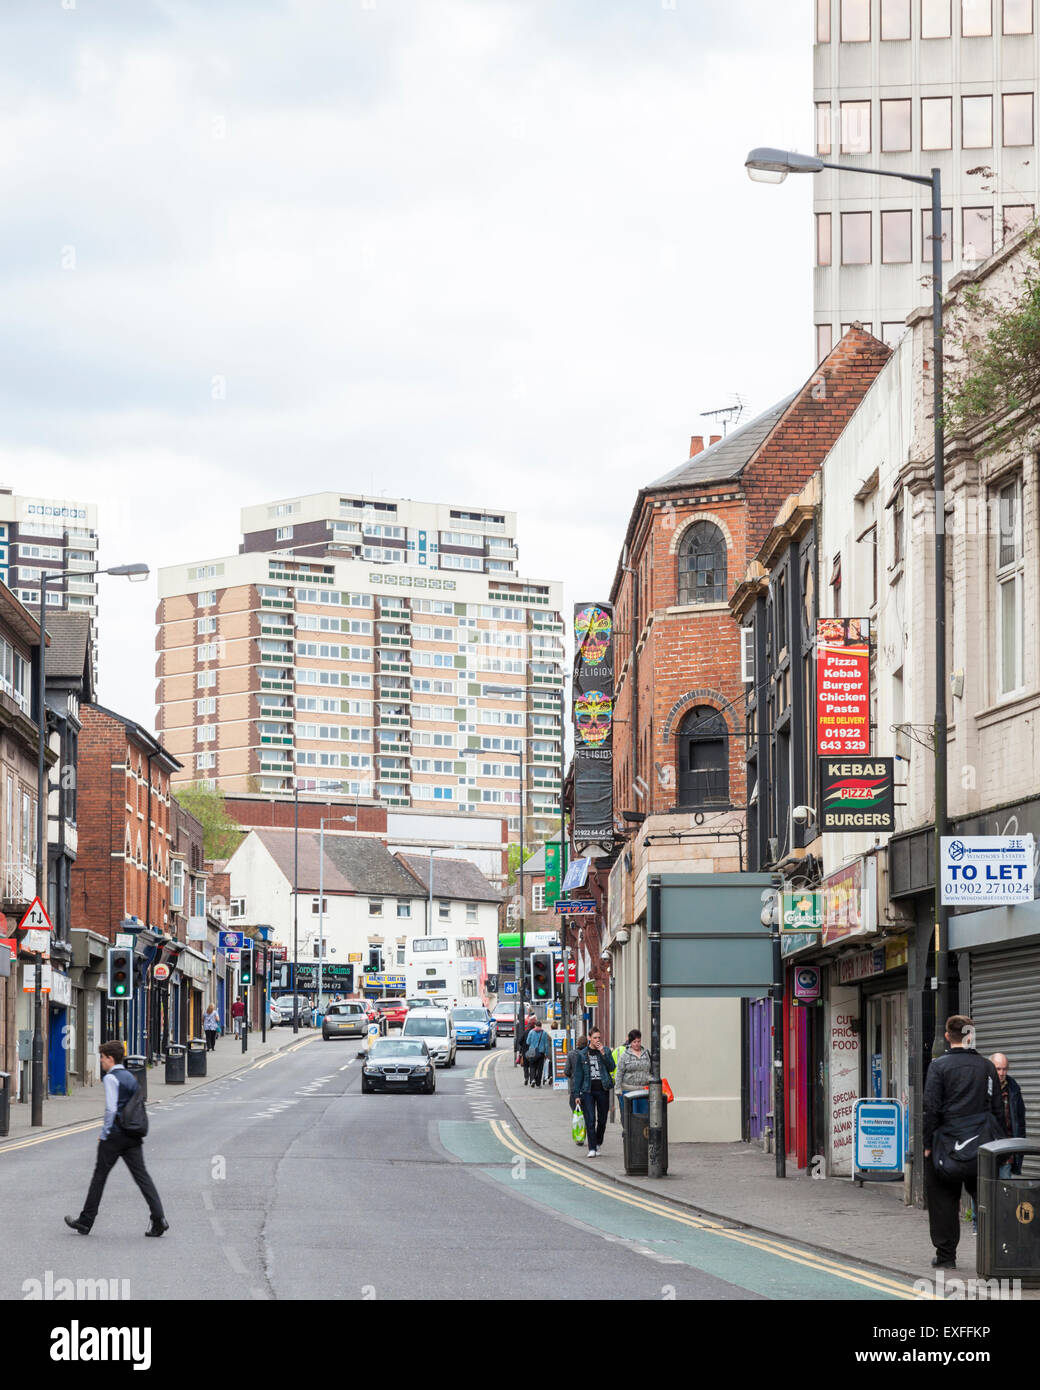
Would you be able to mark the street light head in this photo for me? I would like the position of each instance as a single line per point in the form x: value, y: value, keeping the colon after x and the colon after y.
x: 773, y: 166
x: 135, y: 573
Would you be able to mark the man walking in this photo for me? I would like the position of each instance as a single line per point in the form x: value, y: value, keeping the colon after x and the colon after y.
x: 536, y: 1051
x: 962, y: 1109
x: 593, y: 1080
x: 114, y: 1144
x: 1014, y: 1108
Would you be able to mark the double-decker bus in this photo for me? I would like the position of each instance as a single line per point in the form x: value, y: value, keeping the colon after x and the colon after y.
x: 446, y: 970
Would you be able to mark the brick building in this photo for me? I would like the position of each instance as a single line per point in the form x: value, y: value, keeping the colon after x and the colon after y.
x: 679, y: 714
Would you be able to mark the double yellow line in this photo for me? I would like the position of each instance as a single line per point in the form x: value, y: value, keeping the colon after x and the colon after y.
x: 482, y: 1068
x: 769, y: 1246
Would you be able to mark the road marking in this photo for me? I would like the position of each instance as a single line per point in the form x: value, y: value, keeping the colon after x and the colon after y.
x: 58, y: 1134
x: 234, y: 1260
x: 769, y: 1246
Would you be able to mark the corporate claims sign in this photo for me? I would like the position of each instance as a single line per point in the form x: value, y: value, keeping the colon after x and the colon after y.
x: 593, y: 704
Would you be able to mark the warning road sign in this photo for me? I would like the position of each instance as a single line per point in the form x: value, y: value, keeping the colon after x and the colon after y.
x: 36, y: 918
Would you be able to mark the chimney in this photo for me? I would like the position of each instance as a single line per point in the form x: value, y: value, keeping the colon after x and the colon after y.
x: 696, y: 444
x: 714, y: 439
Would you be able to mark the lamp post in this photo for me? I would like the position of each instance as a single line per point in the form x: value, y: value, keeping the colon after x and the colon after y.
x: 773, y: 166
x: 133, y: 573
x: 321, y: 897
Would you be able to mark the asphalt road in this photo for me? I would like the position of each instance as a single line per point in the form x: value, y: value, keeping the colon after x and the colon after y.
x: 284, y: 1182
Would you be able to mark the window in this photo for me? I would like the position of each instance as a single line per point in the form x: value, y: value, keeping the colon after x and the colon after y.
x: 236, y: 909
x: 823, y: 127
x: 205, y: 678
x: 1018, y: 16
x: 855, y: 238
x: 936, y: 123
x: 206, y: 733
x: 926, y: 235
x: 855, y: 127
x: 319, y: 906
x: 823, y: 21
x: 703, y: 750
x: 206, y: 706
x: 204, y: 626
x: 855, y: 21
x: 198, y: 893
x: 471, y: 912
x: 823, y: 340
x: 895, y: 19
x: 895, y: 125
x: 977, y: 123
x: 375, y: 907
x: 891, y: 333
x: 404, y: 908
x: 976, y: 18
x: 1009, y: 573
x: 1015, y: 218
x: 823, y: 238
x: 205, y: 761
x: 444, y: 911
x: 865, y: 327
x: 177, y: 887
x: 935, y: 19
x: 976, y: 234
x: 702, y: 564
x: 538, y: 897
x: 207, y: 598
x: 1017, y: 124
x: 896, y: 248
x: 897, y: 531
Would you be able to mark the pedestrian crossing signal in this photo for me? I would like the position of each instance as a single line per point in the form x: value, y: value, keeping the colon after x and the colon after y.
x: 120, y: 972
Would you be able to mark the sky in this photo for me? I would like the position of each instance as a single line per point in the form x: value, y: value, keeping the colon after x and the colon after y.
x: 493, y: 252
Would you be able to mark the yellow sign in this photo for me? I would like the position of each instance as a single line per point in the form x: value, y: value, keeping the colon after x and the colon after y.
x: 354, y: 959
x: 1024, y: 1213
x: 896, y: 950
x: 591, y: 994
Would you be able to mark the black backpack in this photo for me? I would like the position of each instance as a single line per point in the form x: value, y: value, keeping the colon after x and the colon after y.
x: 133, y: 1117
x: 955, y: 1144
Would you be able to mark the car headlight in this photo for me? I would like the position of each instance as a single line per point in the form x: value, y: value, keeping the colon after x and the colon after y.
x: 421, y: 1071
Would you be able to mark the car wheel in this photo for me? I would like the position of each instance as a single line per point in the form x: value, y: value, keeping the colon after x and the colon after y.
x: 324, y: 1035
x: 451, y: 1060
x: 431, y: 1085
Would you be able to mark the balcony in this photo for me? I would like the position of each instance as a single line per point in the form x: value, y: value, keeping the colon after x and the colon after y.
x: 393, y: 614
x: 268, y: 763
x: 281, y: 687
x: 275, y: 712
x: 547, y: 759
x: 19, y: 882
x: 394, y: 721
x: 272, y: 629
x: 279, y: 740
x: 395, y: 774
x: 397, y: 667
x: 395, y: 748
x: 394, y: 639
x: 280, y: 603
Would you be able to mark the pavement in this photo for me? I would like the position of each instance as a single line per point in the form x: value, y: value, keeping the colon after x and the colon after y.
x: 86, y: 1103
x: 738, y: 1183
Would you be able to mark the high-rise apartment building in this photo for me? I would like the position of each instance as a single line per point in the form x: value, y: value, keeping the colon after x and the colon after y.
x: 911, y: 85
x: 360, y: 646
x: 39, y: 534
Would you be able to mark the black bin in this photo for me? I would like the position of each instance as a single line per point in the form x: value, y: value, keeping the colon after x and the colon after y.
x: 197, y: 1057
x: 138, y: 1068
x: 1009, y: 1216
x: 5, y: 1104
x: 175, y: 1065
x: 635, y: 1132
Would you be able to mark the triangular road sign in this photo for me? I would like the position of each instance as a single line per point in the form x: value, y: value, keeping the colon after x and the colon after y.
x: 36, y: 918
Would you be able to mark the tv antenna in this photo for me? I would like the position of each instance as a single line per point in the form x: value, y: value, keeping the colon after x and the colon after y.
x: 727, y: 414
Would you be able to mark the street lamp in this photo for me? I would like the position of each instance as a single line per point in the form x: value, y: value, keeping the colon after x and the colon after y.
x: 773, y: 166
x: 321, y: 897
x: 133, y: 573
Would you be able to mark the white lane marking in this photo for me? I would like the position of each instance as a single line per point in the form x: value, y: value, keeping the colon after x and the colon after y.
x: 233, y: 1259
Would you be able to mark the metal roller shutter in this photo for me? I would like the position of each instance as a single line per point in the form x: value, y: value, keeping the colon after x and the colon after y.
x: 1005, y: 1005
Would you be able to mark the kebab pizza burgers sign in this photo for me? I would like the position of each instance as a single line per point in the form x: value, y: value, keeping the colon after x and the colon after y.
x: 843, y: 686
x: 856, y: 794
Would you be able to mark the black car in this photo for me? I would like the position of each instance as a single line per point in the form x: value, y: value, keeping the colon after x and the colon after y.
x: 398, y: 1064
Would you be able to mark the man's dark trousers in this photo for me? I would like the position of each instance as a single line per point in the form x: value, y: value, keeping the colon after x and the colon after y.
x: 595, y: 1106
x: 944, y: 1210
x: 130, y: 1149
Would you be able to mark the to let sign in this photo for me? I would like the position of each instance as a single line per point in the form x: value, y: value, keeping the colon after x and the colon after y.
x: 843, y: 685
x: 987, y: 870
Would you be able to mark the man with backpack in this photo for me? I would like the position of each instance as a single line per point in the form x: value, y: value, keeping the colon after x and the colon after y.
x: 962, y: 1109
x: 122, y: 1136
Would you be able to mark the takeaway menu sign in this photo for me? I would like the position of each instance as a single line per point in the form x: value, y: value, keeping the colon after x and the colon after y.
x: 843, y: 686
x: 857, y: 794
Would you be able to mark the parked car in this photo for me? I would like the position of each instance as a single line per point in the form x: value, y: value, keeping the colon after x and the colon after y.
x: 398, y: 1064
x: 346, y: 1019
x: 505, y: 1019
x: 436, y: 1029
x: 284, y: 1005
x: 474, y: 1026
x: 392, y: 1011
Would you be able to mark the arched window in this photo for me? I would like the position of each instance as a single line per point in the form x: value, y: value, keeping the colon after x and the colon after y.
x: 702, y: 564
x: 703, y: 744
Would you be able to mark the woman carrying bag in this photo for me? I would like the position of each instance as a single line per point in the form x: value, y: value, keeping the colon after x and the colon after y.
x: 211, y: 1026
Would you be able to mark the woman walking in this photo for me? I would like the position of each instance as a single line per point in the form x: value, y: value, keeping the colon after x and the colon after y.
x: 211, y: 1026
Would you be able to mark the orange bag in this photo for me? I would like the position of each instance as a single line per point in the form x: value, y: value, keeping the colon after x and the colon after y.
x: 667, y: 1090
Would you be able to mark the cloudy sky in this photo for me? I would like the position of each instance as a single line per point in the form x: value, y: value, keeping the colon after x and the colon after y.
x: 499, y: 252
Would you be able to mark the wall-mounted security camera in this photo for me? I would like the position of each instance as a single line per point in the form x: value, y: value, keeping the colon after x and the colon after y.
x: 802, y: 815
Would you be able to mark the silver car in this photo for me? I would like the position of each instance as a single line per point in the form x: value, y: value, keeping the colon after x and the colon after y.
x: 436, y: 1028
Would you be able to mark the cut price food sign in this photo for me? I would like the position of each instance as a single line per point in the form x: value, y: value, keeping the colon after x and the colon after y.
x: 843, y: 685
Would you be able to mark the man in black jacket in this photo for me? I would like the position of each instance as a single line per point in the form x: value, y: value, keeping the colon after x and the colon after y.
x: 1014, y: 1108
x: 961, y: 1088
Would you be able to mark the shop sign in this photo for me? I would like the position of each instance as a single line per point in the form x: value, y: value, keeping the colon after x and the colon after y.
x: 790, y: 942
x: 861, y: 967
x: 857, y: 794
x: 591, y: 994
x: 807, y: 982
x: 987, y: 870
x: 848, y: 901
x: 843, y: 1074
x: 552, y: 872
x: 843, y: 686
x: 896, y: 952
x: 802, y: 912
x: 879, y: 1138
x: 61, y: 988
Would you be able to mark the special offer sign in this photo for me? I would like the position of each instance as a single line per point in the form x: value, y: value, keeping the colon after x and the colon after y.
x: 843, y: 685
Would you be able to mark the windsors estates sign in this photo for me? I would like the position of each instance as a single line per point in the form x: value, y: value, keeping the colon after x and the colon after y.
x: 843, y: 686
x: 857, y: 794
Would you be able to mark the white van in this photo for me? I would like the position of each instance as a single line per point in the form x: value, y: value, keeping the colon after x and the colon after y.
x: 436, y: 1028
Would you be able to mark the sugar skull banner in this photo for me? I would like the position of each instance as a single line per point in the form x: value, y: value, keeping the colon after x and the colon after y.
x: 593, y: 705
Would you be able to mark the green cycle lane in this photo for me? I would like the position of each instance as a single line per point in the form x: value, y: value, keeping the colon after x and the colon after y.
x: 758, y: 1263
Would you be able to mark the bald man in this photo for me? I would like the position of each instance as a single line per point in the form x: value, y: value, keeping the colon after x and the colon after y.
x: 1014, y: 1111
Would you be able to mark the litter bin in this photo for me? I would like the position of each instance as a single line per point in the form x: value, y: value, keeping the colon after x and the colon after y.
x: 138, y: 1068
x: 175, y: 1064
x: 1009, y: 1216
x: 635, y: 1131
x: 5, y: 1104
x: 197, y: 1057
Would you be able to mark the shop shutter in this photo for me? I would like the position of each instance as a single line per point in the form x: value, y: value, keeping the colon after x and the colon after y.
x: 1005, y: 1005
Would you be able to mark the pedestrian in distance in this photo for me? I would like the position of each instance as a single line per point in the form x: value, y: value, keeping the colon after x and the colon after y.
x: 962, y: 1109
x: 633, y: 1071
x: 536, y: 1053
x: 116, y: 1143
x: 238, y: 1013
x: 1014, y: 1108
x: 593, y: 1082
x: 211, y: 1026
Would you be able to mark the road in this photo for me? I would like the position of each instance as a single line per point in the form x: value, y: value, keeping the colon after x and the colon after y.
x: 284, y: 1182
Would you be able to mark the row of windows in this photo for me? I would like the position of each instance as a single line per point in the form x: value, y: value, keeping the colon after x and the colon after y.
x: 851, y: 127
x: 979, y: 238
x: 935, y: 19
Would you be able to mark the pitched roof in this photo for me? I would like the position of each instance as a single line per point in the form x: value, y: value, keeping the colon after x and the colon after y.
x: 728, y: 458
x: 353, y: 863
x: 68, y: 650
x: 452, y: 878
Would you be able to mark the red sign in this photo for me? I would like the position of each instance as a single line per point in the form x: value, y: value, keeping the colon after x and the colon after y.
x: 843, y: 685
x: 572, y: 971
x: 10, y: 943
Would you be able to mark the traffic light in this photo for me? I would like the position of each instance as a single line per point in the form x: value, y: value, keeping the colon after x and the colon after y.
x: 120, y: 972
x: 541, y: 977
x: 245, y: 966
